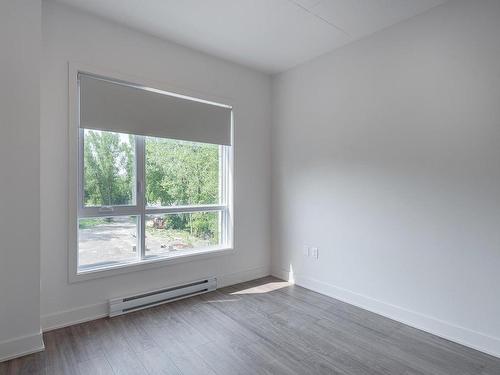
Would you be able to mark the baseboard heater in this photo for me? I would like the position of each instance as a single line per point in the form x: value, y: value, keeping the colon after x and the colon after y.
x: 119, y: 306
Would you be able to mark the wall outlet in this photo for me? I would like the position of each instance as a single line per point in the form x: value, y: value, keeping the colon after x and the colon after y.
x: 305, y: 250
x: 314, y: 252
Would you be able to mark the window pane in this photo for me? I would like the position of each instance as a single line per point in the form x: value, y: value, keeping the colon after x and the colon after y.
x: 104, y: 241
x: 175, y: 233
x: 180, y: 173
x: 109, y: 169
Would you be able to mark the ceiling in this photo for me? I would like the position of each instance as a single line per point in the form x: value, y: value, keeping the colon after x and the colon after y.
x: 268, y: 35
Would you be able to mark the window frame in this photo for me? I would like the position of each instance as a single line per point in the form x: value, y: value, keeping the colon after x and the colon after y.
x: 77, y: 209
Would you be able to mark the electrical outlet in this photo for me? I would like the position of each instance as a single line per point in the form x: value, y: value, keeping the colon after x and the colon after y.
x: 305, y: 250
x: 314, y: 252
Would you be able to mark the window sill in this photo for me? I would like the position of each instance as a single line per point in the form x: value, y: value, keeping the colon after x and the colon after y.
x: 149, y: 263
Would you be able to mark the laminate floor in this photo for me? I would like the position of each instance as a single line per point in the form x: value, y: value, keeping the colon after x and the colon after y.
x: 265, y: 326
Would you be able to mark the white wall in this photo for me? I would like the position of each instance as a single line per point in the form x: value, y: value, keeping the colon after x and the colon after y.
x: 19, y: 182
x: 70, y: 35
x: 386, y: 156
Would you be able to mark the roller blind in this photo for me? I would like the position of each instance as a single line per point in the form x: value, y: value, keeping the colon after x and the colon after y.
x: 114, y: 106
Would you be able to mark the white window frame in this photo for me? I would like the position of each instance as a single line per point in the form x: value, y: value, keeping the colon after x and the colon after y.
x: 75, y: 194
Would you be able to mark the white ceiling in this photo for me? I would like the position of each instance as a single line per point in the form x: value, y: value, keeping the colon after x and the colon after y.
x: 269, y: 35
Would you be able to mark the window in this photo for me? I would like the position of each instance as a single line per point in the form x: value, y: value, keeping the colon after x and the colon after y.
x: 146, y: 196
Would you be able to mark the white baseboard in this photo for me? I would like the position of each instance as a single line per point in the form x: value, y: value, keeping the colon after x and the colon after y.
x: 242, y: 276
x: 83, y: 314
x: 283, y: 274
x: 464, y: 336
x: 20, y: 346
x: 77, y: 315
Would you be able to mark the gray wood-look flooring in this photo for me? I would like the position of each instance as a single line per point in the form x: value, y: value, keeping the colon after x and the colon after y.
x: 265, y: 326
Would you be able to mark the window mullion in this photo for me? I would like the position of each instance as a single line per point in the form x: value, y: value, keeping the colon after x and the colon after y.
x: 80, y: 177
x: 113, y: 211
x: 183, y: 209
x: 223, y: 230
x: 141, y: 191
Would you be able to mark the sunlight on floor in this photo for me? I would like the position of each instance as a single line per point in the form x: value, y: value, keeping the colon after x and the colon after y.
x: 221, y: 300
x: 264, y: 288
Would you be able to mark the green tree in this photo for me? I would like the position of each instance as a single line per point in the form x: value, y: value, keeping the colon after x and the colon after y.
x: 183, y: 173
x: 177, y: 173
x: 108, y: 168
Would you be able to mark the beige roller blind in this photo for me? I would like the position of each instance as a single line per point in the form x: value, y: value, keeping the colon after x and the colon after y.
x: 118, y: 107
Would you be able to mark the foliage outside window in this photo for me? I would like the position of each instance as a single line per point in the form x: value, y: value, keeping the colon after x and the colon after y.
x: 109, y: 175
x: 143, y: 198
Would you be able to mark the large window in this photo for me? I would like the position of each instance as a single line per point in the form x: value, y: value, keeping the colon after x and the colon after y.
x: 143, y: 198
